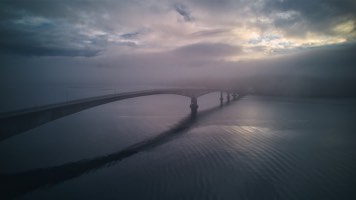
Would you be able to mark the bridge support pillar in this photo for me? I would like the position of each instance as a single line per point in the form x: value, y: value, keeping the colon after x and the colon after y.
x: 228, y: 96
x: 221, y: 98
x: 194, y: 105
x: 234, y: 96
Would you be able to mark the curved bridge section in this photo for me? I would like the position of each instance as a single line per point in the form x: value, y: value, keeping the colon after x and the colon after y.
x: 19, y: 121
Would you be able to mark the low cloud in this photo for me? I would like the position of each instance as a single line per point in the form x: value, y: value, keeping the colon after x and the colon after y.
x: 208, y: 50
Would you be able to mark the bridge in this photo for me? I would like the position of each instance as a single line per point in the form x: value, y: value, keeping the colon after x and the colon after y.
x: 13, y: 123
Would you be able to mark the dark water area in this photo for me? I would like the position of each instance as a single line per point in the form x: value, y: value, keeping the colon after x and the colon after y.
x: 151, y: 148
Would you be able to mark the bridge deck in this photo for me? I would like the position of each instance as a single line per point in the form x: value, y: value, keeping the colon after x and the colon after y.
x: 12, y: 123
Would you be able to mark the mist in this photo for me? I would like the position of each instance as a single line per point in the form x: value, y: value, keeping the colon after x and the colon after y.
x: 189, y: 99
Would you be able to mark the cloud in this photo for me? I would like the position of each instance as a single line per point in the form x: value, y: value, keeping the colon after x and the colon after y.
x: 66, y: 28
x: 317, y: 16
x: 153, y: 41
x: 183, y: 11
x: 73, y: 28
x: 210, y: 32
x: 208, y: 50
x: 130, y: 35
x: 46, y: 51
x: 43, y: 37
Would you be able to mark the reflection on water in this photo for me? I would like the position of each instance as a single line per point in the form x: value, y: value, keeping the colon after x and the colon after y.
x: 14, y: 185
x: 255, y: 148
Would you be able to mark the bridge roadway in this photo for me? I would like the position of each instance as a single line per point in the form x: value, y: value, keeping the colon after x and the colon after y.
x: 13, y: 123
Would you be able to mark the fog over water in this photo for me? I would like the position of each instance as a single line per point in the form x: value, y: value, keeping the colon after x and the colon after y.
x: 290, y: 137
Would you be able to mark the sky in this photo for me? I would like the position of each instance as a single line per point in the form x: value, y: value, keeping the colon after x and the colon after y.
x: 160, y: 42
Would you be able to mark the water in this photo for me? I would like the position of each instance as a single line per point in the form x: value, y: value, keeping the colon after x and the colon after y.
x: 150, y: 148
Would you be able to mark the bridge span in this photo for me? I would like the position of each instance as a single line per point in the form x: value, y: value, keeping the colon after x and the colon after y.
x: 13, y: 123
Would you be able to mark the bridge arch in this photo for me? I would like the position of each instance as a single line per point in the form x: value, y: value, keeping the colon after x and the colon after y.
x: 13, y: 123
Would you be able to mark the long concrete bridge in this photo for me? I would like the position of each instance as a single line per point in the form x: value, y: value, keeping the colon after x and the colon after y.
x: 13, y: 123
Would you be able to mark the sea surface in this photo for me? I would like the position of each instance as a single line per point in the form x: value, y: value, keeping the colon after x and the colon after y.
x: 152, y: 148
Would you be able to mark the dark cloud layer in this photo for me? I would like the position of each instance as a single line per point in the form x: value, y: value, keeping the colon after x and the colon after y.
x: 316, y: 15
x: 183, y: 11
x: 57, y: 28
x: 85, y: 28
x: 45, y: 39
x: 153, y: 41
x: 38, y: 36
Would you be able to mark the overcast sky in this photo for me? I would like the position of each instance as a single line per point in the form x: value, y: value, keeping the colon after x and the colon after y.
x: 127, y: 42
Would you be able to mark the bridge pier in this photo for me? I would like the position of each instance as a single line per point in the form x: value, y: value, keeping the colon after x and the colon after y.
x: 228, y: 96
x: 19, y: 121
x: 234, y: 96
x: 221, y: 98
x: 194, y: 105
